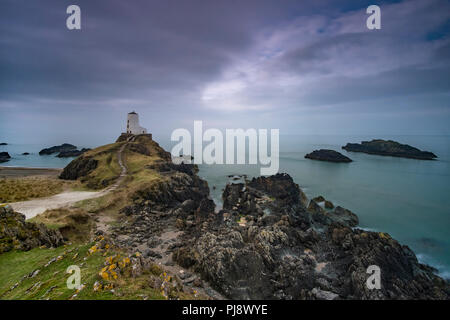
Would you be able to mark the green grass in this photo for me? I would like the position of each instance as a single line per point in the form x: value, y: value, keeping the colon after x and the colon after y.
x: 15, y: 264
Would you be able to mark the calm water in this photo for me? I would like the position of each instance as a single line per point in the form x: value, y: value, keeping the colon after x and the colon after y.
x: 410, y: 199
x: 34, y: 160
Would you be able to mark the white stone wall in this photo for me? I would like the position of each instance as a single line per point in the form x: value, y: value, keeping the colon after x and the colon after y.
x: 133, y: 126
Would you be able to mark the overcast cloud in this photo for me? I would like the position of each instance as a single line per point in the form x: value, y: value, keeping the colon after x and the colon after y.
x: 295, y: 65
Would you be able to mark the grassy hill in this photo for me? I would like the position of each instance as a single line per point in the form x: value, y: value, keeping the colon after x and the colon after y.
x: 107, y: 272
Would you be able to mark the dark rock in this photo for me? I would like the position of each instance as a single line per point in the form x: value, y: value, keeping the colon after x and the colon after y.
x: 79, y: 167
x: 17, y: 234
x: 292, y: 252
x: 345, y: 216
x: 205, y: 209
x: 281, y: 186
x: 389, y: 148
x: 4, y: 156
x: 125, y: 137
x: 329, y: 204
x: 327, y: 155
x: 25, y: 153
x: 319, y: 199
x: 72, y: 153
x: 3, y: 144
x: 61, y: 148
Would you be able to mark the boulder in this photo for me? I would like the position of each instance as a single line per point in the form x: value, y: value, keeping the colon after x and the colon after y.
x: 4, y: 156
x: 329, y: 204
x: 344, y: 216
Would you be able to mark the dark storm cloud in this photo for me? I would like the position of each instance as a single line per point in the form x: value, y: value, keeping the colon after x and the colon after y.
x: 179, y: 60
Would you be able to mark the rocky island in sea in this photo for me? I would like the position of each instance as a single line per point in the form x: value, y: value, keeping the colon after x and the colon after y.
x: 389, y: 148
x: 72, y: 153
x: 61, y: 148
x: 327, y: 155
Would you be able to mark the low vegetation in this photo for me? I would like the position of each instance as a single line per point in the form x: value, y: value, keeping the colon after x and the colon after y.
x: 108, y: 169
x: 22, y: 189
x: 137, y: 157
x: 74, y: 224
x: 106, y: 273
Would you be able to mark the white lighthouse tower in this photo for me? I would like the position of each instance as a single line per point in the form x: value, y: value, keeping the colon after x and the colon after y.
x: 133, y: 126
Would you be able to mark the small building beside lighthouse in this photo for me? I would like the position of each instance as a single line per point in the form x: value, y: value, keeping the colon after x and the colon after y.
x: 133, y: 126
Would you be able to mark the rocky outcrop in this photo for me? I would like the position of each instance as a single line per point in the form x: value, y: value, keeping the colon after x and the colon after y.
x: 4, y: 156
x: 266, y: 244
x: 389, y: 148
x: 55, y: 149
x: 17, y: 234
x: 25, y: 153
x: 79, y: 167
x: 124, y: 137
x: 268, y: 241
x: 327, y: 155
x: 72, y: 153
x: 3, y: 144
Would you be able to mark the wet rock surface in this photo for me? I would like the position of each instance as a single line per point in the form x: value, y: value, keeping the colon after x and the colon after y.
x: 389, y: 148
x: 4, y: 156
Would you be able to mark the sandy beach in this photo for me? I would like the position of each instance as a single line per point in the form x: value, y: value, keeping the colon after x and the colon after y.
x: 19, y: 172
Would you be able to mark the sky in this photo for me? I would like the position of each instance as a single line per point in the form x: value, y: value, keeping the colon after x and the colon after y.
x: 304, y: 67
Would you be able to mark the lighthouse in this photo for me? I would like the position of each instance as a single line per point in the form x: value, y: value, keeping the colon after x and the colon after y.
x: 133, y: 126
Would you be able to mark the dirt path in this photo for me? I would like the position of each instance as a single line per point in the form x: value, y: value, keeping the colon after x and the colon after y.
x: 34, y: 207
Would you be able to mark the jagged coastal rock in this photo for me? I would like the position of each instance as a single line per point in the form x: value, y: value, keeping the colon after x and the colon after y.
x: 327, y: 155
x: 4, y: 156
x: 389, y: 148
x: 55, y: 149
x: 268, y: 242
x: 17, y: 234
x: 265, y: 244
x: 72, y: 153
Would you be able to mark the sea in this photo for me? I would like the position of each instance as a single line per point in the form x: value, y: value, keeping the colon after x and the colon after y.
x: 407, y: 198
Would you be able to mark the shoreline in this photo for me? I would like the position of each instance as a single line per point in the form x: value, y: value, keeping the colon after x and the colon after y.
x: 20, y: 172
